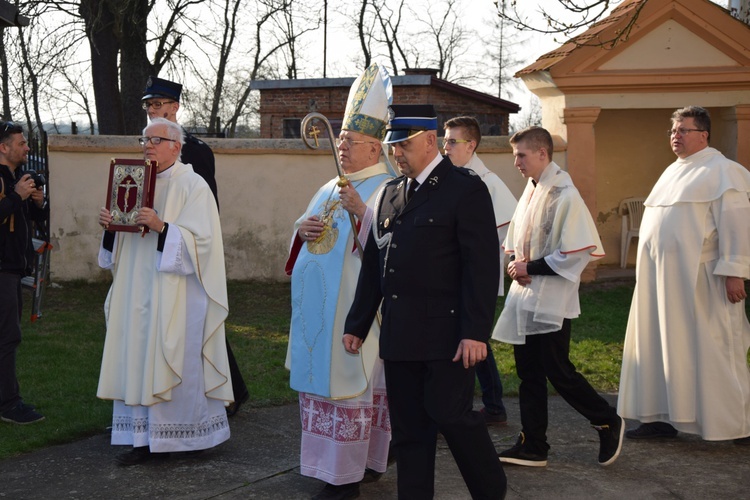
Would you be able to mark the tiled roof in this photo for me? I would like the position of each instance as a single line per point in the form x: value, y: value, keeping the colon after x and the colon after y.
x: 620, y: 14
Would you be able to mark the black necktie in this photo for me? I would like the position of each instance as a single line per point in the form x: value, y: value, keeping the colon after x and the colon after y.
x: 413, y: 185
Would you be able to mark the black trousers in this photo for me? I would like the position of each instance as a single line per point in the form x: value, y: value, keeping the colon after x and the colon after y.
x: 238, y: 383
x: 546, y: 357
x: 427, y: 396
x: 10, y: 337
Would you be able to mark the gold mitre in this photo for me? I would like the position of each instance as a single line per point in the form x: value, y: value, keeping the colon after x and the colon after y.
x: 367, y: 105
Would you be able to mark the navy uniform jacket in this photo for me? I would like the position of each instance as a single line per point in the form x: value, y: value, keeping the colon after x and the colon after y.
x: 438, y: 275
x: 199, y: 155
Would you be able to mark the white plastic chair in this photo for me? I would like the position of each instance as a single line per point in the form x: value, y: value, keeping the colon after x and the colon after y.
x: 631, y: 210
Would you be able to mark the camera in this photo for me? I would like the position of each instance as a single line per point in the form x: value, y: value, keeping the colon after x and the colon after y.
x: 37, y: 177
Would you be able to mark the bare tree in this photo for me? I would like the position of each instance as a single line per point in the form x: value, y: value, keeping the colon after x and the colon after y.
x: 274, y: 35
x: 741, y: 10
x: 390, y: 26
x: 448, y: 36
x: 500, y: 42
x: 584, y: 13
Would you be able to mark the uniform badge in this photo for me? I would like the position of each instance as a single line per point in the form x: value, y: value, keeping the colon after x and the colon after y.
x: 433, y: 180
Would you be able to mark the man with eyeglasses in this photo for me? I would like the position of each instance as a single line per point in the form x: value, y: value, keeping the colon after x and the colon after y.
x: 164, y: 363
x: 684, y: 364
x: 432, y: 261
x: 21, y: 202
x: 343, y: 403
x: 161, y: 99
x: 462, y: 137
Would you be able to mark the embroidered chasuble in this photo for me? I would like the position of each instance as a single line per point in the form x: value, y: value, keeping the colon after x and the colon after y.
x: 146, y: 309
x: 551, y: 220
x: 324, y: 278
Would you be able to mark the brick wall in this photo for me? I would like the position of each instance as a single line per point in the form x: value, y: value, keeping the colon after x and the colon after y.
x: 276, y: 105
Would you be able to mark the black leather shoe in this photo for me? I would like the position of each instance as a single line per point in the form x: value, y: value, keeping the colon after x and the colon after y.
x: 652, y: 430
x: 371, y: 476
x: 498, y: 419
x: 340, y: 492
x: 138, y: 456
x: 234, y: 407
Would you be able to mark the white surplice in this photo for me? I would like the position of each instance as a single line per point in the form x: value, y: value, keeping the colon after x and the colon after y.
x: 503, y: 202
x: 685, y: 353
x: 164, y: 362
x: 552, y: 222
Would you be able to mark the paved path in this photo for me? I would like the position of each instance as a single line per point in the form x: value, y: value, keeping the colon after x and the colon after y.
x: 260, y: 461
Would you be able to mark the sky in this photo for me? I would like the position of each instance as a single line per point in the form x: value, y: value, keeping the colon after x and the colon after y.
x: 475, y: 14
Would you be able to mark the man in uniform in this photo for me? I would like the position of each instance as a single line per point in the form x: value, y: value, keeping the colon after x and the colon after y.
x: 162, y: 99
x: 462, y: 137
x: 433, y: 263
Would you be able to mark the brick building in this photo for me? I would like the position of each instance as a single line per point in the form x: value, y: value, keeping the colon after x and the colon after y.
x: 283, y: 103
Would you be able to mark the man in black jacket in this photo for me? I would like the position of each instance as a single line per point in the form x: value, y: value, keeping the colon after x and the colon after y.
x: 433, y: 263
x: 21, y: 201
x: 161, y: 99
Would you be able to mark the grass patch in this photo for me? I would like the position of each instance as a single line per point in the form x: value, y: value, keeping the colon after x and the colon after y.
x: 60, y: 356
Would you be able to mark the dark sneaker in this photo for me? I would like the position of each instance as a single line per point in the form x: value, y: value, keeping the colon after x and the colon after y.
x: 519, y: 455
x: 499, y: 419
x: 652, y: 430
x: 22, y: 415
x: 338, y: 492
x: 610, y: 441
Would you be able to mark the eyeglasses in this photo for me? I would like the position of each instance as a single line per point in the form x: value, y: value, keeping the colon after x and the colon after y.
x: 453, y: 142
x: 156, y: 140
x: 350, y: 142
x: 683, y: 131
x: 155, y: 104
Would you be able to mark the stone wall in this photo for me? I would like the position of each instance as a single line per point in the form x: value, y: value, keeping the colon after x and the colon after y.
x: 264, y: 186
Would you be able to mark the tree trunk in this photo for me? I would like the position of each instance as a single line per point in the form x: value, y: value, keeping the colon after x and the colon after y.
x: 135, y: 67
x: 101, y: 25
x: 4, y: 76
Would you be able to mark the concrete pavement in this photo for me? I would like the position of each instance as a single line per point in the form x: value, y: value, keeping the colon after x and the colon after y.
x: 261, y: 461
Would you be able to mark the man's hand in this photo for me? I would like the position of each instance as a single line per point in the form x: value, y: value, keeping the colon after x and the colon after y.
x: 735, y: 289
x: 148, y: 217
x: 310, y: 229
x: 471, y: 351
x: 517, y: 271
x: 352, y: 202
x: 37, y: 196
x: 105, y: 218
x: 25, y: 186
x: 352, y: 343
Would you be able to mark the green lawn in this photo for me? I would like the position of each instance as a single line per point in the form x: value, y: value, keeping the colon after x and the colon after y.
x: 58, y: 361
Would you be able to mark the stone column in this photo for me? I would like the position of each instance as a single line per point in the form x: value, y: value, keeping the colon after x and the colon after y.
x: 742, y: 115
x: 581, y: 160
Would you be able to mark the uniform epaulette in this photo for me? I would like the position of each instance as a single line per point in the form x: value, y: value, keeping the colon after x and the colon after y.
x: 466, y: 171
x: 395, y: 181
